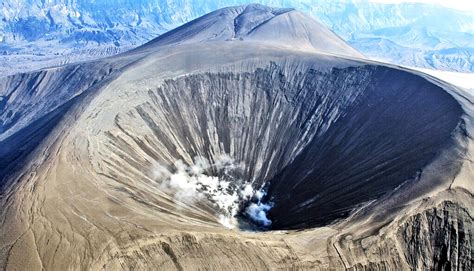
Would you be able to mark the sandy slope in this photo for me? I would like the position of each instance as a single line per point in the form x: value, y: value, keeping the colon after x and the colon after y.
x: 82, y: 147
x: 460, y: 79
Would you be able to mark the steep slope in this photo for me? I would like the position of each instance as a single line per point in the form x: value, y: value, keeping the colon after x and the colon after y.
x: 174, y: 156
x: 261, y: 24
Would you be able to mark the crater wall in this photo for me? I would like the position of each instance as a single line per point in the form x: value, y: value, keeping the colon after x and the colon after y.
x: 321, y: 142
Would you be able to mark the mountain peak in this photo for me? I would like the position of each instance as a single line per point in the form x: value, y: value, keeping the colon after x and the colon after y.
x: 281, y: 27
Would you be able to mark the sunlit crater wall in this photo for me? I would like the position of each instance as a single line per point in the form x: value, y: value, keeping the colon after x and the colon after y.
x: 320, y: 141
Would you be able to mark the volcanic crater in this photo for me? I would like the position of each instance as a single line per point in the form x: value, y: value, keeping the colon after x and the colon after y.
x: 249, y: 117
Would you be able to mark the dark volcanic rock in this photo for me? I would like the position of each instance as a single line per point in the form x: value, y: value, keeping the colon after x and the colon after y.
x: 322, y: 142
x: 440, y: 238
x: 396, y: 126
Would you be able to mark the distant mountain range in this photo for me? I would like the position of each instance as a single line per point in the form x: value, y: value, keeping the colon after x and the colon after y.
x: 36, y: 33
x: 241, y: 140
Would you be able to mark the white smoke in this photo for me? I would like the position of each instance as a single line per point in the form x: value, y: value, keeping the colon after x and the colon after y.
x: 258, y: 211
x: 195, y: 182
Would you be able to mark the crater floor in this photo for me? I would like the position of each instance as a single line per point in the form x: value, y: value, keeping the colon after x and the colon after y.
x: 147, y: 160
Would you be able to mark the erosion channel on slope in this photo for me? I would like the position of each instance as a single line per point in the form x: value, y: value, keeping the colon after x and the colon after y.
x: 316, y: 143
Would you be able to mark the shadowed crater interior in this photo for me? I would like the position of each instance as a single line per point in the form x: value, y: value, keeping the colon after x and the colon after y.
x: 322, y: 142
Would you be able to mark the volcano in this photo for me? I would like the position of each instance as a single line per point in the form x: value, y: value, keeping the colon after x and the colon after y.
x: 250, y: 138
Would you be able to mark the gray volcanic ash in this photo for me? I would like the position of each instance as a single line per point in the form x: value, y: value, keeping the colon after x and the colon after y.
x: 247, y: 118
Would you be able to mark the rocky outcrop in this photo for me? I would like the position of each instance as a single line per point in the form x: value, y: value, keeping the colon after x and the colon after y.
x: 147, y: 161
x: 440, y: 238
